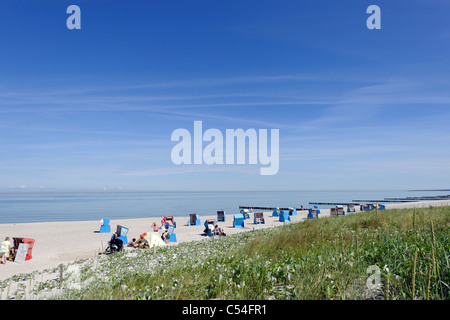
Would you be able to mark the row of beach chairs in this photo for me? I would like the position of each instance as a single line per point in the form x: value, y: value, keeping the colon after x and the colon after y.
x: 239, y: 219
x: 194, y: 218
x: 339, y: 210
x: 122, y: 231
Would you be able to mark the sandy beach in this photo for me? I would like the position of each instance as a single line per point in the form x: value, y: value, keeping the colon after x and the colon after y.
x: 64, y: 242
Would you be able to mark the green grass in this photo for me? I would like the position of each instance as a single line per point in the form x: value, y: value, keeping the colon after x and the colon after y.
x: 325, y: 258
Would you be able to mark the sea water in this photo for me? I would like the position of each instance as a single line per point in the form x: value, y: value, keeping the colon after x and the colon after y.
x: 21, y: 207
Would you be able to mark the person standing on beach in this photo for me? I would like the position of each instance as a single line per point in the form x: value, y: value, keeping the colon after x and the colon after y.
x: 4, y: 250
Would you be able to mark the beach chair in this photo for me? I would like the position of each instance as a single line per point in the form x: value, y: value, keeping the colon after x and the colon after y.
x: 337, y: 211
x: 275, y: 212
x: 238, y: 221
x: 351, y: 208
x: 30, y: 243
x: 122, y: 233
x: 245, y: 213
x: 382, y: 207
x: 194, y: 219
x: 221, y: 216
x: 259, y: 218
x: 293, y: 211
x: 171, y: 230
x: 313, y: 213
x: 284, y: 216
x: 171, y: 220
x: 17, y: 241
x: 105, y: 227
x: 209, y: 226
x: 333, y: 212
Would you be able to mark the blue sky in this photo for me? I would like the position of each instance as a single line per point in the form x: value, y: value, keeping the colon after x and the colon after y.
x: 94, y: 109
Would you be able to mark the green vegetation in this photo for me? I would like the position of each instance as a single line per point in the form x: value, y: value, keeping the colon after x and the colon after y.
x: 325, y: 258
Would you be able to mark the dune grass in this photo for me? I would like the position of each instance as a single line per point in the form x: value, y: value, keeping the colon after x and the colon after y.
x: 321, y: 259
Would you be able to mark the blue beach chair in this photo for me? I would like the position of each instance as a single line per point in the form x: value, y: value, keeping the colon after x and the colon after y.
x: 171, y: 230
x: 209, y: 226
x: 171, y: 219
x: 313, y: 213
x: 105, y: 227
x: 259, y: 218
x: 122, y: 233
x: 245, y: 213
x: 284, y: 216
x: 194, y: 219
x: 337, y: 211
x: 238, y: 221
x: 275, y: 212
x: 351, y: 208
x: 221, y: 217
x: 293, y: 211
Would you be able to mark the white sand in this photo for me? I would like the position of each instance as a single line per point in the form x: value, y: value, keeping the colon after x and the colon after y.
x: 64, y: 242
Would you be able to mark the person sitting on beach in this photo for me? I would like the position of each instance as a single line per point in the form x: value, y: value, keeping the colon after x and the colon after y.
x: 154, y: 227
x: 4, y: 250
x: 163, y: 222
x: 142, y: 242
x: 165, y: 236
x: 169, y: 220
x: 132, y: 243
x: 115, y: 243
x: 218, y: 231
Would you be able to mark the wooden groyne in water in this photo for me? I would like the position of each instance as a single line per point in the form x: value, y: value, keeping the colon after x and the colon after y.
x: 409, y: 199
x: 269, y: 208
x: 359, y: 202
x: 333, y: 203
x: 381, y: 201
x: 426, y: 198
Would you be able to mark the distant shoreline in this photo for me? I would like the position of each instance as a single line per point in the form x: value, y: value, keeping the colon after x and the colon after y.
x: 431, y: 190
x: 63, y: 191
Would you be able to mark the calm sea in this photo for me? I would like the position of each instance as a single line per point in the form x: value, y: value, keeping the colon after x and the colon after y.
x: 43, y: 207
